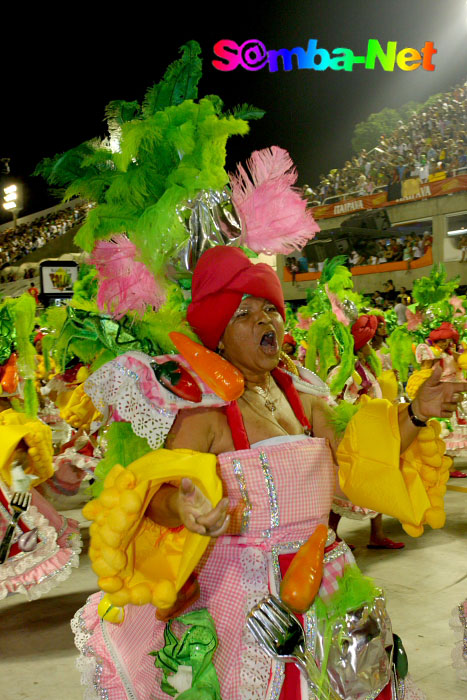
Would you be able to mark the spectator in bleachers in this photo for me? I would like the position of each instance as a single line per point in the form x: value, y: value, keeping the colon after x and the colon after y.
x: 436, y: 134
x: 16, y: 243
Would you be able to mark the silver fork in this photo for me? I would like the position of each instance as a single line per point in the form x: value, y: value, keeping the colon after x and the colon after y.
x: 19, y: 504
x: 281, y: 636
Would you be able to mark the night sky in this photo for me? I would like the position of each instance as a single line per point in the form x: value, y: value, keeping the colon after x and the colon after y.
x: 58, y: 75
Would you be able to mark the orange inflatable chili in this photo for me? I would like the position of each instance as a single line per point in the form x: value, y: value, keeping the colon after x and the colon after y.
x: 10, y: 374
x: 302, y: 580
x: 220, y: 376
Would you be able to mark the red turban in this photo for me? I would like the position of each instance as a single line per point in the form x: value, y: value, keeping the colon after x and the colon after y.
x: 446, y: 330
x: 363, y: 330
x: 221, y: 278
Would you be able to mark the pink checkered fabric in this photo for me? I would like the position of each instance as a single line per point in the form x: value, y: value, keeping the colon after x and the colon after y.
x: 288, y: 489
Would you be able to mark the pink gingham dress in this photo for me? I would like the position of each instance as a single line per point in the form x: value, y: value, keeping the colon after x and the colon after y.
x: 279, y: 491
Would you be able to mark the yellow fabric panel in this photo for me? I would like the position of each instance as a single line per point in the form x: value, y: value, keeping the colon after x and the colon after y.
x: 373, y: 475
x: 388, y: 384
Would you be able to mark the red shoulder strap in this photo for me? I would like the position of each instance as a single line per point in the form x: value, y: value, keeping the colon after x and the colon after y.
x: 237, y: 426
x: 285, y: 382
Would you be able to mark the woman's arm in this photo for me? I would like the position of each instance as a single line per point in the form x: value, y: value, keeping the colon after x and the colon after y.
x: 187, y: 505
x: 434, y: 399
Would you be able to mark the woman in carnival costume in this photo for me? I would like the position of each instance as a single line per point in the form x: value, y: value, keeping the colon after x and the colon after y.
x: 38, y: 546
x: 260, y: 440
x: 441, y: 348
x: 364, y: 381
x: 208, y: 524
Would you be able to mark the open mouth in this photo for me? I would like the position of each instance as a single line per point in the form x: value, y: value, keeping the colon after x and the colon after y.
x: 269, y: 343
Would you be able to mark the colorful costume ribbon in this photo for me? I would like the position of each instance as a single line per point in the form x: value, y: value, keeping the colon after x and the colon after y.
x: 194, y: 650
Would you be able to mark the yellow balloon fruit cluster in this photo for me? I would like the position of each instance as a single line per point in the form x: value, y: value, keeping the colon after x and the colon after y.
x: 138, y: 561
x: 416, y: 380
x: 78, y: 410
x: 15, y: 427
x: 426, y: 454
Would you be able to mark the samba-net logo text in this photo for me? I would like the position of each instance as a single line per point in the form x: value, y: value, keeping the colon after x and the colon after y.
x: 252, y: 55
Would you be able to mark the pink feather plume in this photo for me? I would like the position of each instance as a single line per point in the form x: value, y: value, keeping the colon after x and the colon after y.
x: 336, y: 306
x: 274, y: 214
x: 414, y: 320
x: 124, y: 283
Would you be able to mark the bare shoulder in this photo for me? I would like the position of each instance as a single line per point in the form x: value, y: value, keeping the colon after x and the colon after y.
x: 313, y: 405
x: 318, y: 413
x: 197, y: 429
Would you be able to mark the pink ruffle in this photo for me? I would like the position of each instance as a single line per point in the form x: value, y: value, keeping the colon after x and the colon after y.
x: 37, y: 572
x: 98, y: 641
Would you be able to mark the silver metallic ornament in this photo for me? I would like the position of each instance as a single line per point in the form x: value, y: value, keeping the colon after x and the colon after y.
x: 210, y: 219
x: 360, y: 655
x: 350, y: 310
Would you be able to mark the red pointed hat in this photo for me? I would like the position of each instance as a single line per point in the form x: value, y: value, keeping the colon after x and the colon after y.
x: 221, y: 278
x: 363, y: 330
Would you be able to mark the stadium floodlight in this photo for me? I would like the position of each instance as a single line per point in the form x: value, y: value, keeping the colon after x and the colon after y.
x: 12, y: 200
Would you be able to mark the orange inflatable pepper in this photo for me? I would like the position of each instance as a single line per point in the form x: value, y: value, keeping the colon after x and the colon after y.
x: 220, y: 376
x: 10, y: 374
x: 302, y: 580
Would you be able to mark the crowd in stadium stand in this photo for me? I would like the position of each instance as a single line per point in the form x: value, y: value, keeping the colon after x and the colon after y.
x: 409, y: 247
x: 16, y: 243
x: 431, y: 146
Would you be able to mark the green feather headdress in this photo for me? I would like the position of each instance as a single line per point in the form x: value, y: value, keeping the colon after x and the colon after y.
x: 158, y: 155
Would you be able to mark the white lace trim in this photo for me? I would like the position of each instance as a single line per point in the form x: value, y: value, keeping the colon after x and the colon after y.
x: 87, y: 662
x: 118, y: 384
x: 78, y: 460
x: 49, y: 581
x: 46, y: 549
x: 309, y: 383
x: 256, y: 666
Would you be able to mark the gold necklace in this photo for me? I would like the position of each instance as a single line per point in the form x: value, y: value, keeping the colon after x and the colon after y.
x: 265, y: 394
x: 257, y: 410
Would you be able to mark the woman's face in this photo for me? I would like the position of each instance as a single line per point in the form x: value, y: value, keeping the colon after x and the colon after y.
x: 444, y: 343
x: 382, y: 330
x: 253, y: 338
